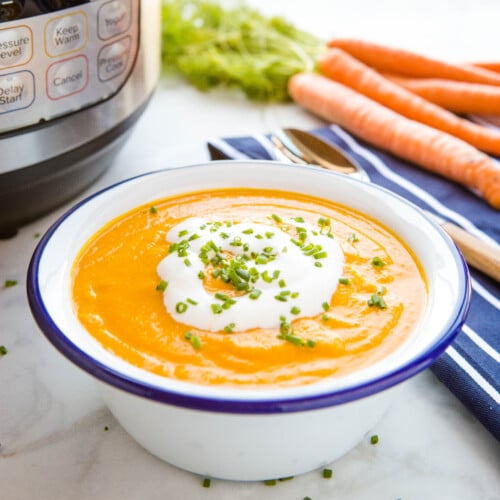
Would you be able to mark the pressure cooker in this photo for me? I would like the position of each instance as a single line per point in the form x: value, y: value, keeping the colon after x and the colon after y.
x: 74, y: 78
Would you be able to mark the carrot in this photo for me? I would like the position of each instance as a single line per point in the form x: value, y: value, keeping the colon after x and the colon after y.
x: 459, y: 97
x: 432, y: 149
x: 491, y: 66
x: 341, y: 67
x: 408, y: 63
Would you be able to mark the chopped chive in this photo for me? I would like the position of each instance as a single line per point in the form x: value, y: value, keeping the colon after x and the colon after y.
x: 248, y: 231
x: 216, y: 308
x: 293, y: 339
x: 269, y: 235
x: 325, y: 317
x: 325, y: 306
x: 281, y: 298
x: 187, y: 262
x: 324, y: 221
x: 182, y: 233
x: 181, y: 307
x: 327, y: 473
x: 153, y: 210
x: 206, y: 483
x: 194, y: 237
x: 320, y: 255
x: 344, y: 281
x: 352, y: 238
x: 374, y: 439
x: 377, y: 300
x: 229, y: 328
x: 201, y: 275
x: 162, y: 286
x: 261, y: 259
x: 299, y: 219
x: 318, y: 264
x: 193, y: 339
x: 277, y: 218
x: 192, y: 302
x: 378, y: 262
x: 3, y: 350
x: 259, y: 236
x: 254, y: 294
x: 295, y: 310
x: 311, y: 343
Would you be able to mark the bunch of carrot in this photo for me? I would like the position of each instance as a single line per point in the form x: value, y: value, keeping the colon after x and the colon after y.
x: 405, y: 103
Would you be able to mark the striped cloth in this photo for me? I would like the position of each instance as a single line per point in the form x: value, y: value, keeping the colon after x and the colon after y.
x: 470, y: 366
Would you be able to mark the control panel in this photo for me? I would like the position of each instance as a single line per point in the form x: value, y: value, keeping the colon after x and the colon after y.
x: 67, y: 56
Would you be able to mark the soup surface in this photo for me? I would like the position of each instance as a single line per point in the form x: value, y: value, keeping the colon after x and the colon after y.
x: 248, y: 288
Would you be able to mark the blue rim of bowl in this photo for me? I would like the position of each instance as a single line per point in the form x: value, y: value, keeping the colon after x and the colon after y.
x: 153, y: 392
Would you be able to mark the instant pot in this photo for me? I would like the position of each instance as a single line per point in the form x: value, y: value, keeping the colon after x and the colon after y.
x: 74, y: 78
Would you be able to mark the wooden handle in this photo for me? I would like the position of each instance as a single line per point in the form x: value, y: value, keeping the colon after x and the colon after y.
x: 477, y: 253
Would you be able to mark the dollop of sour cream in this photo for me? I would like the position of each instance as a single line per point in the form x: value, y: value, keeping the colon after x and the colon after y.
x: 280, y: 271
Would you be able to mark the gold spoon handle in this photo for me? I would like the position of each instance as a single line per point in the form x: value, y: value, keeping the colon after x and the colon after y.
x: 477, y: 253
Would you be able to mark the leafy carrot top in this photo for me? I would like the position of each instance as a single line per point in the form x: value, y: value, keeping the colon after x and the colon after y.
x: 234, y: 47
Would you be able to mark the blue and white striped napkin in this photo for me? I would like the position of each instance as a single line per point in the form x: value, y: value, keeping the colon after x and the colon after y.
x: 470, y: 366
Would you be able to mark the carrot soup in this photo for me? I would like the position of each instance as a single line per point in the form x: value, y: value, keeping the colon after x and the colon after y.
x: 248, y: 288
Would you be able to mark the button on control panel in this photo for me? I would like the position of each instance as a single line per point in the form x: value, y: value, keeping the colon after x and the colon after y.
x: 53, y: 64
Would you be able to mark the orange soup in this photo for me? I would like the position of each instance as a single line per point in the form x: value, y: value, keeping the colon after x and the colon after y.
x: 248, y: 288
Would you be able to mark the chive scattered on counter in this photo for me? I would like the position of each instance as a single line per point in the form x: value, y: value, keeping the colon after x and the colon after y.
x: 106, y: 428
x: 9, y: 283
x: 206, y: 482
x: 3, y: 350
x: 270, y: 482
x: 327, y: 473
x: 374, y: 439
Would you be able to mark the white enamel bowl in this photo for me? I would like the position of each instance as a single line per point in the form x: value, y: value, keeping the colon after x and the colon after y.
x: 240, y: 434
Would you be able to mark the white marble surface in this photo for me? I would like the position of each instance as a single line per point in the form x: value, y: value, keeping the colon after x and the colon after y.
x: 54, y: 442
